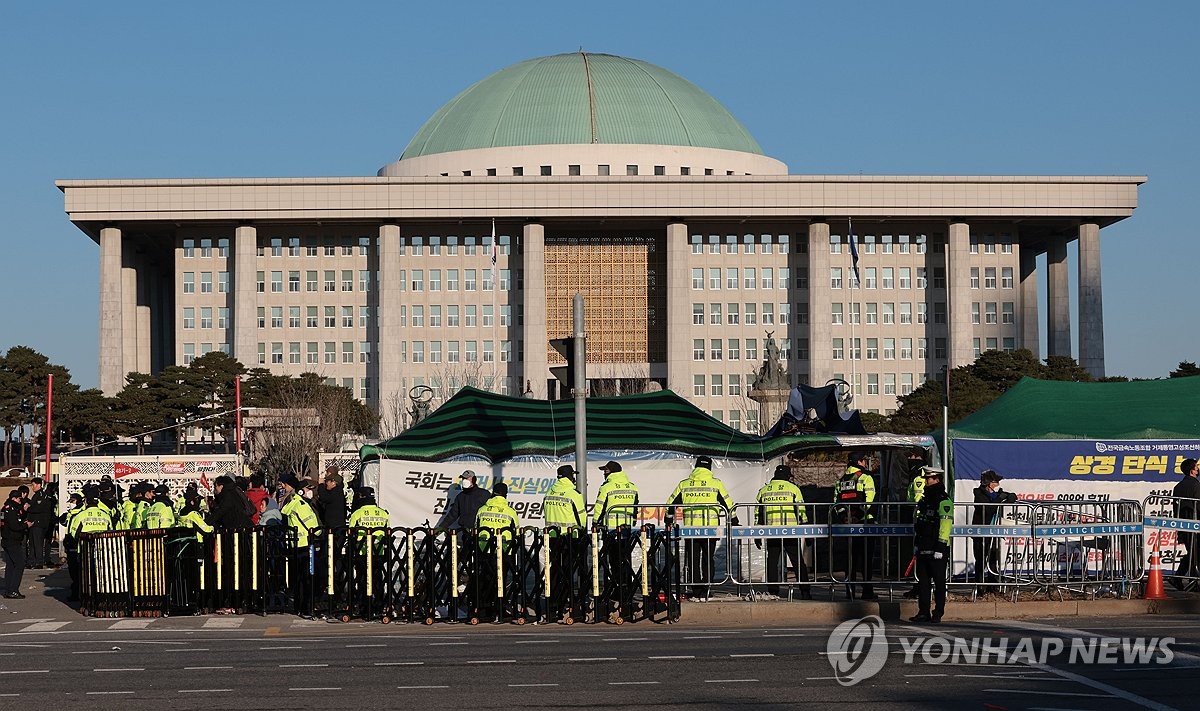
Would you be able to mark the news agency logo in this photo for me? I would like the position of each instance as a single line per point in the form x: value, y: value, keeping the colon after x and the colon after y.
x: 857, y: 649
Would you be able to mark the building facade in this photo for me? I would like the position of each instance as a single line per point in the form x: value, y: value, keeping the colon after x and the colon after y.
x: 621, y: 181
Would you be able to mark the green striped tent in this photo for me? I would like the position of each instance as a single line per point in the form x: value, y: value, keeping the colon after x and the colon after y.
x: 499, y: 427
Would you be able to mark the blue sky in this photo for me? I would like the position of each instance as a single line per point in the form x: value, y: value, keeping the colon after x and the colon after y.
x: 234, y: 89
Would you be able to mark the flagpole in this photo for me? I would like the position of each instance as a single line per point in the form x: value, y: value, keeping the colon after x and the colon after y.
x: 495, y: 308
x: 854, y: 302
x: 49, y: 418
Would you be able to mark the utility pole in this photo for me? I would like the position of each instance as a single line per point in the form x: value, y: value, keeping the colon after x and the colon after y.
x: 581, y: 389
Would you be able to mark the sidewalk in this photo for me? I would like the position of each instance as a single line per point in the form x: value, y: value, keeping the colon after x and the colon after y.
x: 46, y: 592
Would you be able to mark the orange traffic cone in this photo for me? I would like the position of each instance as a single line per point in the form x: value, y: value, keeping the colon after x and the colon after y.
x: 1154, y: 581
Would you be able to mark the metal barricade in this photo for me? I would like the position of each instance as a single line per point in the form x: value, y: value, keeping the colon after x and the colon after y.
x: 703, y: 530
x: 368, y: 549
x: 104, y: 588
x: 1087, y: 546
x: 236, y: 571
x: 565, y: 573
x: 993, y: 547
x: 774, y: 553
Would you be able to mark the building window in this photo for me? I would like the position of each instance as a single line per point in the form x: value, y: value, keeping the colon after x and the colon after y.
x: 697, y: 314
x: 347, y: 317
x: 751, y: 314
x: 717, y: 385
x: 364, y: 316
x: 311, y: 317
x: 189, y: 248
x: 889, y: 349
x: 545, y: 170
x: 330, y: 351
x: 330, y: 317
x: 939, y: 348
x: 189, y: 317
x: 734, y: 351
x: 1008, y: 312
x: 517, y: 170
x: 293, y: 317
x: 469, y: 279
x: 768, y: 314
x: 732, y: 315
x: 418, y: 352
x: 294, y: 352
x: 872, y: 348
x: 869, y: 278
x: 714, y: 278
x: 1006, y: 278
x: 768, y: 278
x: 189, y: 282
x: 311, y: 354
x: 435, y: 316
x: 602, y: 169
x: 731, y: 277
x: 975, y: 312
x: 697, y: 349
x: 939, y: 312
x: 989, y: 311
x: 889, y: 313
x: 714, y: 314
x: 989, y: 278
x: 631, y: 170
x: 452, y: 316
x: 698, y: 385
x: 189, y: 353
x: 277, y: 353
x: 752, y: 349
x: 697, y: 278
x: 839, y: 350
x: 906, y: 352
x: 835, y: 316
x: 939, y: 277
x: 835, y: 244
x: 906, y: 312
x: 888, y: 280
x: 223, y: 282
x: 905, y: 277
x: 715, y: 349
x: 872, y: 314
x: 835, y: 277
x: 855, y: 313
x: 974, y: 277
x: 921, y: 277
x: 922, y: 312
x: 222, y: 317
x: 922, y: 348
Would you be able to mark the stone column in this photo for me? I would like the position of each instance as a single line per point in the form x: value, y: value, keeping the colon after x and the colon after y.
x: 679, y: 308
x: 245, y: 295
x: 129, y: 311
x: 1058, y: 316
x: 142, y: 298
x: 535, y: 370
x: 1029, y: 326
x: 390, y: 333
x: 820, y: 300
x: 112, y: 375
x: 958, y: 294
x: 1091, y: 306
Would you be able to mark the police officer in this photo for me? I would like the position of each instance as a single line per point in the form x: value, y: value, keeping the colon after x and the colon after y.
x: 781, y: 503
x: 566, y: 516
x: 496, y: 522
x: 932, y: 524
x: 159, y: 514
x: 702, y: 495
x: 916, y: 488
x: 14, y: 529
x: 616, y: 510
x: 854, y: 493
x: 298, y: 514
x: 368, y: 525
x: 95, y: 517
x: 40, y: 514
x: 75, y: 503
x: 128, y: 510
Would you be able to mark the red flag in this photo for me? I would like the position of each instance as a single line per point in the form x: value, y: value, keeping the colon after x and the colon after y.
x: 120, y: 470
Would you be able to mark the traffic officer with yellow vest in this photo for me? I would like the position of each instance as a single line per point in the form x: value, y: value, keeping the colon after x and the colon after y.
x: 781, y: 503
x: 916, y: 488
x: 368, y: 527
x: 702, y: 497
x: 94, y: 517
x: 854, y: 494
x: 130, y: 508
x: 298, y: 515
x: 616, y: 511
x: 495, y: 523
x: 566, y: 518
x: 75, y: 504
x: 160, y: 513
x: 932, y: 525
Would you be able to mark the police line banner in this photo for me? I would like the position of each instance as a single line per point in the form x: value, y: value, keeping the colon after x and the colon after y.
x: 415, y: 492
x: 1080, y: 471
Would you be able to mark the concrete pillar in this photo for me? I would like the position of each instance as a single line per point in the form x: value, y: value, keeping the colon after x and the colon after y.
x: 129, y: 311
x: 245, y: 295
x: 1029, y: 326
x: 535, y: 370
x: 820, y: 299
x: 143, y: 282
x: 1058, y: 315
x: 958, y: 292
x: 112, y: 375
x: 1091, y: 305
x: 679, y: 308
x: 391, y: 334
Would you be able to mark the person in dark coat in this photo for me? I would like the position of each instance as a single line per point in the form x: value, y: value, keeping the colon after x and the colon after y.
x: 231, y: 508
x: 330, y: 500
x: 462, y: 510
x: 40, y: 515
x: 988, y: 510
x: 13, y: 532
x: 1186, y: 506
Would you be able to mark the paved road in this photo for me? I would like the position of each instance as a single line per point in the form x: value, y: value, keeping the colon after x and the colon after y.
x: 282, y: 662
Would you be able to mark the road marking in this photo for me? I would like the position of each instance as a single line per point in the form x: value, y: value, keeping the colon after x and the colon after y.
x: 101, y: 693
x: 290, y: 647
x: 625, y: 639
x: 491, y: 661
x: 922, y: 676
x: 633, y: 683
x: 674, y: 656
x: 352, y: 646
x: 446, y: 644
x: 97, y: 651
x: 593, y: 659
x: 24, y: 671
x: 188, y: 649
x: 204, y: 668
x: 203, y: 691
x: 131, y: 625
x: 707, y: 636
x: 8, y: 695
x: 784, y: 635
x: 751, y: 655
x: 223, y: 623
x: 120, y: 669
x: 44, y: 626
x: 820, y: 678
x: 730, y: 681
x: 525, y: 685
x: 538, y: 641
x: 315, y: 688
x: 29, y: 620
x: 398, y: 664
x: 1046, y: 693
x: 300, y: 666
x: 426, y: 686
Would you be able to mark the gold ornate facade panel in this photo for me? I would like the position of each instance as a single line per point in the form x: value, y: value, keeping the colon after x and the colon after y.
x: 621, y: 279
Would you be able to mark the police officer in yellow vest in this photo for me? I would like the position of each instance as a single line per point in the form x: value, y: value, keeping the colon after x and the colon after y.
x: 70, y: 543
x: 854, y: 494
x: 566, y: 518
x: 94, y: 517
x: 932, y: 525
x: 298, y: 515
x: 916, y: 488
x: 496, y: 522
x: 368, y: 525
x: 160, y: 513
x: 781, y: 503
x: 131, y: 507
x: 703, y: 497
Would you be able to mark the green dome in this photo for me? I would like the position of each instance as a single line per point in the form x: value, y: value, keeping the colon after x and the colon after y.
x: 581, y: 98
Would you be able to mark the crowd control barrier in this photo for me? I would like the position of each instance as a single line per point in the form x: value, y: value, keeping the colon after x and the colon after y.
x: 1174, y: 532
x: 421, y: 575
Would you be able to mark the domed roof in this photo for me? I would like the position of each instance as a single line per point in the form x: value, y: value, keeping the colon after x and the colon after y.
x: 581, y: 98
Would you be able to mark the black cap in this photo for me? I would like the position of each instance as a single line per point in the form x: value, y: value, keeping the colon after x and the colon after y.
x: 567, y: 471
x: 289, y: 479
x: 783, y: 471
x: 162, y: 490
x: 366, y: 491
x: 704, y: 461
x: 611, y: 467
x: 500, y: 489
x: 989, y: 475
x: 857, y: 457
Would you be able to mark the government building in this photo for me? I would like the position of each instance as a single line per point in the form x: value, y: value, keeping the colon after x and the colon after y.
x: 617, y: 179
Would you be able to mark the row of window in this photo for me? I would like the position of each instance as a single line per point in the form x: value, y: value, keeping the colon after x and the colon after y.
x: 189, y: 350
x: 315, y: 352
x: 888, y: 244
x: 906, y: 350
x: 749, y: 314
x: 206, y: 282
x: 731, y: 349
x: 470, y: 352
x: 318, y: 317
x: 206, y: 247
x: 449, y: 245
x: 313, y: 246
x: 601, y: 169
x: 746, y: 278
x: 766, y: 244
